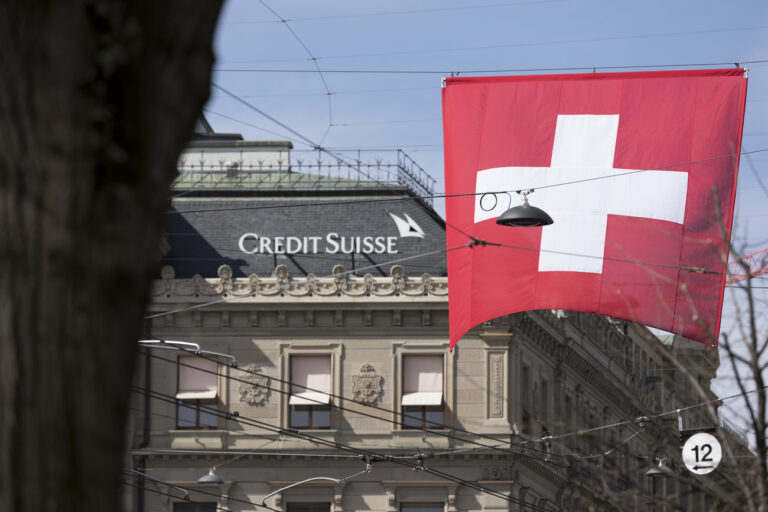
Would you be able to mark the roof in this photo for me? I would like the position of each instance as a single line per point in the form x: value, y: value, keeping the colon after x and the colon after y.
x: 310, y: 234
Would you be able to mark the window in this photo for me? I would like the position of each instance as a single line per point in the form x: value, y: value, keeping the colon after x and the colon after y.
x: 310, y: 392
x: 422, y: 507
x: 197, y: 405
x: 195, y: 507
x: 422, y: 399
x: 525, y: 391
x: 309, y: 507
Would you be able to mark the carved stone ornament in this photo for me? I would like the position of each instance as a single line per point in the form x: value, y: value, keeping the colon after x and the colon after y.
x: 340, y: 283
x: 256, y: 390
x: 366, y: 386
x: 496, y: 473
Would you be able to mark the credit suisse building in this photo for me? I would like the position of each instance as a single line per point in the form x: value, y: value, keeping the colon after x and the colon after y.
x: 302, y: 307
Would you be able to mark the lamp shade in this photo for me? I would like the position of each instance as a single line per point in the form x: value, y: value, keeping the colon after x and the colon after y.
x: 524, y: 215
x: 210, y: 478
x: 660, y: 470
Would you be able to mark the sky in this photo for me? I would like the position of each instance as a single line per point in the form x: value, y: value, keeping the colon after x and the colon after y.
x: 426, y: 40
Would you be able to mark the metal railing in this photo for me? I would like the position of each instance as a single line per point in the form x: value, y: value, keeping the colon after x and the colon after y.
x: 290, y: 172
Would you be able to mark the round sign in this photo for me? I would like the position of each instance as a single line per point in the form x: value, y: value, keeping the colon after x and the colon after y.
x: 702, y: 453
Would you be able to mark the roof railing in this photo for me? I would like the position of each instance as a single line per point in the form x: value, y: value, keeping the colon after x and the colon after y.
x: 211, y: 170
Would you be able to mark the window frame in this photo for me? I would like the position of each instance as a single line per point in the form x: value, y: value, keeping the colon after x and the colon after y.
x: 197, y: 403
x: 289, y: 350
x: 405, y: 349
x: 310, y: 408
x: 422, y: 410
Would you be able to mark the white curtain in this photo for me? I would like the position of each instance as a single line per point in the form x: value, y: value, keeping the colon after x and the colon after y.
x: 310, y: 380
x: 196, y: 380
x: 422, y: 380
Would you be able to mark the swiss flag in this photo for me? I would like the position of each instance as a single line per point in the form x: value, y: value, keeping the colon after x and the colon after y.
x: 632, y: 167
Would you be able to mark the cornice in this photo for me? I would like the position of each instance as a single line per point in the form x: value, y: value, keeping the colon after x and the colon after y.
x: 339, y: 286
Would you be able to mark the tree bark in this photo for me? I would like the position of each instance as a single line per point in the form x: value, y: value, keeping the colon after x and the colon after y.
x: 97, y: 99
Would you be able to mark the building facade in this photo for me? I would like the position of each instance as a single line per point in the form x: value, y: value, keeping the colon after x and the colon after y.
x: 301, y: 327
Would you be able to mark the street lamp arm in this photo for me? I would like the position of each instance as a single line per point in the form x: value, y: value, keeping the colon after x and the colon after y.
x: 313, y: 479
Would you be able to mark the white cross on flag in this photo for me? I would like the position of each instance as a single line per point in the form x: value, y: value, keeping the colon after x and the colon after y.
x: 632, y: 167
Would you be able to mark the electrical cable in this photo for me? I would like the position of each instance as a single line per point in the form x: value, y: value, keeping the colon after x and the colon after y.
x: 282, y: 136
x: 503, y: 46
x: 392, y: 13
x: 309, y: 142
x: 641, y: 419
x: 341, y: 407
x: 288, y: 285
x: 311, y: 57
x: 308, y: 455
x: 206, y: 493
x: 375, y: 457
x: 401, y: 121
x: 548, y: 437
x: 240, y: 452
x: 462, y: 194
x: 490, y: 71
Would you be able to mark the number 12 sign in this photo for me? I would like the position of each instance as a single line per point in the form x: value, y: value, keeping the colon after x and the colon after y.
x: 702, y: 453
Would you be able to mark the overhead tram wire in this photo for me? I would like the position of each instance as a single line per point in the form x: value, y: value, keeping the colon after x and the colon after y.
x: 314, y: 61
x: 245, y: 123
x: 448, y: 72
x: 473, y: 243
x: 505, y: 46
x: 394, y: 13
x: 463, y: 194
x: 287, y: 285
x: 375, y: 457
x: 198, y: 490
x: 310, y: 142
x: 543, y: 439
x: 335, y: 93
x: 629, y: 420
x: 366, y: 406
x: 639, y: 420
x: 489, y: 449
x: 181, y: 451
x: 474, y: 240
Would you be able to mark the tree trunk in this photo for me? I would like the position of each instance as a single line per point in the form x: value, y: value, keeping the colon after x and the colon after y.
x: 97, y: 99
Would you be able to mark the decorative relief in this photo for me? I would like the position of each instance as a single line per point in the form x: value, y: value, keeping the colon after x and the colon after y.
x: 224, y: 286
x: 497, y: 473
x: 497, y: 386
x: 256, y: 390
x: 341, y: 283
x: 366, y: 386
x: 165, y: 284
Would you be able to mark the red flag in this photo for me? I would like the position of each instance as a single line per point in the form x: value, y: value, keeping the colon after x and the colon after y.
x: 632, y: 167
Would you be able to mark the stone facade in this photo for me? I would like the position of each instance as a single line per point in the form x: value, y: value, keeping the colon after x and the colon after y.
x: 514, y: 381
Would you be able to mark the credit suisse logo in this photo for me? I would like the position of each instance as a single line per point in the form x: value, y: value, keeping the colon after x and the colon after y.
x: 332, y: 242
